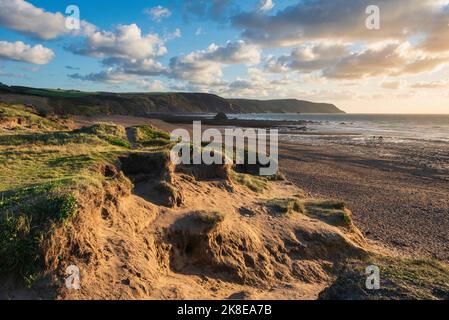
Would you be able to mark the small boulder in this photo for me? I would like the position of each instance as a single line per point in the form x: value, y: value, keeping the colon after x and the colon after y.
x: 221, y: 116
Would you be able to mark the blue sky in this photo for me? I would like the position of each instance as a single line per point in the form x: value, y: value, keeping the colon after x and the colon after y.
x: 311, y: 49
x: 106, y: 16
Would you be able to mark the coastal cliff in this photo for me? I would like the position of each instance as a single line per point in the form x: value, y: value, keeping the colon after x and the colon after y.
x: 74, y: 102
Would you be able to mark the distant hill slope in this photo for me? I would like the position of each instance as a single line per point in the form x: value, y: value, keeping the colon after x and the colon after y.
x: 283, y: 106
x: 141, y: 104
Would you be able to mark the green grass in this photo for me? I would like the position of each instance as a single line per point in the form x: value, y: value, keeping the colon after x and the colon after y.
x: 28, y: 118
x: 118, y: 142
x: 254, y: 183
x: 276, y: 177
x: 424, y: 279
x: 55, y: 93
x: 105, y: 129
x: 147, y: 136
x: 51, y: 138
x: 94, y: 135
x: 113, y: 134
x: 40, y: 172
x: 39, y: 175
x: 22, y: 231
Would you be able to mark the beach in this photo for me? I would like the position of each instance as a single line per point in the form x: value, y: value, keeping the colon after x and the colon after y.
x: 397, y: 188
x: 149, y: 228
x: 399, y: 194
x: 392, y: 171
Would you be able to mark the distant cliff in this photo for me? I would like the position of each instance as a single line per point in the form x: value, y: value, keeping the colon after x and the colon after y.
x: 283, y: 106
x: 141, y: 104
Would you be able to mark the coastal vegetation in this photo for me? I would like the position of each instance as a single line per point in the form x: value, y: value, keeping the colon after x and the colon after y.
x: 107, y: 198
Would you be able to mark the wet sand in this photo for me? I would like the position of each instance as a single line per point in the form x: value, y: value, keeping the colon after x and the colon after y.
x: 399, y: 195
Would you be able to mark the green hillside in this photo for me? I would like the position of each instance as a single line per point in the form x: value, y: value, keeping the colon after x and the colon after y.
x: 63, y: 102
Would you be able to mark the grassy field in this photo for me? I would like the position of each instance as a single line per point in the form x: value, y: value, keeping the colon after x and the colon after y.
x: 57, y: 93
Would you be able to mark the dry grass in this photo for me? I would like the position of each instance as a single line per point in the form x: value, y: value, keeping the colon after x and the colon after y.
x: 400, y: 279
x: 212, y: 219
x: 254, y: 183
x: 285, y: 207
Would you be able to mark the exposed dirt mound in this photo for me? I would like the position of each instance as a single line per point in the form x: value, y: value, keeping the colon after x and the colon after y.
x: 211, y: 240
x: 153, y: 177
x: 255, y: 256
x: 206, y: 172
x: 153, y: 231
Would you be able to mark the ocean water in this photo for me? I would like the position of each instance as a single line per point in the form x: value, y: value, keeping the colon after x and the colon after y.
x: 392, y: 127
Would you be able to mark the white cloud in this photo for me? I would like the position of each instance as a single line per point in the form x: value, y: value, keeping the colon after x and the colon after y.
x: 431, y: 85
x: 193, y: 69
x: 200, y: 69
x: 265, y: 5
x: 155, y: 85
x: 385, y: 59
x: 13, y: 75
x: 127, y: 42
x: 109, y: 76
x: 20, y: 51
x: 158, y: 13
x: 205, y: 66
x: 144, y: 67
x: 199, y: 32
x: 126, y: 51
x: 308, y: 58
x: 233, y: 52
x: 259, y: 84
x: 337, y: 61
x: 25, y: 18
x: 173, y: 35
x: 393, y: 85
x: 344, y: 20
x: 116, y: 77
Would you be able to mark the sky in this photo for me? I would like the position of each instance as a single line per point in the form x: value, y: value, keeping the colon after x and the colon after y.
x: 390, y: 58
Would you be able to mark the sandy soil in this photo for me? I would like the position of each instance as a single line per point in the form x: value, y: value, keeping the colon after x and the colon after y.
x: 399, y: 193
x: 144, y: 250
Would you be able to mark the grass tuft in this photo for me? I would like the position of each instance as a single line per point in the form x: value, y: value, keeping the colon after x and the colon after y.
x: 285, y: 207
x: 254, y: 183
x: 333, y: 212
x: 147, y: 136
x: 212, y: 219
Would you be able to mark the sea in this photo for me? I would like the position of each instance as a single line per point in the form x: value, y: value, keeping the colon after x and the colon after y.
x: 391, y: 127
